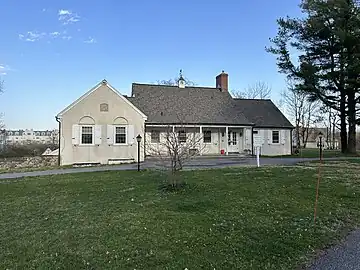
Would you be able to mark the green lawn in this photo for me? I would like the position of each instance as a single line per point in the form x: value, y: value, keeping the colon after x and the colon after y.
x: 244, y: 218
x: 314, y: 153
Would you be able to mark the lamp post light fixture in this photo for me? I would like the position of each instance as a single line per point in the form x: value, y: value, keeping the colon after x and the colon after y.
x: 321, y: 144
x: 138, y: 139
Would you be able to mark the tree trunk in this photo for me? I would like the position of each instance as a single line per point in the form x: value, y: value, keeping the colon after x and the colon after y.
x: 333, y: 134
x: 343, y: 133
x: 329, y: 131
x: 298, y: 144
x: 352, y: 123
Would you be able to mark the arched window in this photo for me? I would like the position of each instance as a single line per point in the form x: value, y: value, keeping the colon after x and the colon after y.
x: 120, y: 130
x: 87, y: 124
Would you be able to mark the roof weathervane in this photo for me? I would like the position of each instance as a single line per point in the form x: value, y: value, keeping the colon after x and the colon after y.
x: 181, y: 81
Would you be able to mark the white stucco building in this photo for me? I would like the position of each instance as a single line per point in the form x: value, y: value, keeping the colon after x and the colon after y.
x: 28, y: 136
x: 101, y: 126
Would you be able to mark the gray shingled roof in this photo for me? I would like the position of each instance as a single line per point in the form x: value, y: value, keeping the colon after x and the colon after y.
x: 203, y: 105
x: 191, y: 105
x: 263, y: 113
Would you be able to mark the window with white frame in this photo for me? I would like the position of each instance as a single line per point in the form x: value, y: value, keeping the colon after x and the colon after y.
x: 275, y: 136
x: 87, y: 135
x: 120, y: 135
x: 182, y: 136
x: 207, y: 136
x: 155, y: 136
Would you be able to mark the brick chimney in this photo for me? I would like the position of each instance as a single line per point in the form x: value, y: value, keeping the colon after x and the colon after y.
x: 222, y: 81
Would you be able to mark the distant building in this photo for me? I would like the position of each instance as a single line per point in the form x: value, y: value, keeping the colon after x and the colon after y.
x: 2, y: 138
x: 313, y: 138
x: 29, y: 136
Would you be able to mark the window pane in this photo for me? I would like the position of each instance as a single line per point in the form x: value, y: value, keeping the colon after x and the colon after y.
x: 275, y: 137
x: 120, y: 138
x: 207, y: 136
x: 86, y: 135
x: 120, y: 135
x: 182, y: 136
x: 86, y: 130
x: 120, y: 130
x: 234, y: 140
x: 155, y: 136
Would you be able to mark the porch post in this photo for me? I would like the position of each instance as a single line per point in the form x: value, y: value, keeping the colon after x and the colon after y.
x: 173, y: 129
x: 227, y: 140
x: 201, y: 140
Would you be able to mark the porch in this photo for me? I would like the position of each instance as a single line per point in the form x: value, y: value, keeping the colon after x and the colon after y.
x: 205, y: 139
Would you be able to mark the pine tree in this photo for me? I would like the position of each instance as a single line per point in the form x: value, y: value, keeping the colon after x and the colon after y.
x: 327, y: 41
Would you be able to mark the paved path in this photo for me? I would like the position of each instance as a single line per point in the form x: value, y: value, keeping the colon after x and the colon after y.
x: 345, y: 256
x: 197, y: 163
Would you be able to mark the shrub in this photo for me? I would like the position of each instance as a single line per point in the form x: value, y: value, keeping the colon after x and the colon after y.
x: 25, y: 150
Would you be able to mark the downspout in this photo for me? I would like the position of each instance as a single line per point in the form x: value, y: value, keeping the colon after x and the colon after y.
x: 58, y: 120
x: 144, y: 134
x: 291, y: 141
x: 252, y: 140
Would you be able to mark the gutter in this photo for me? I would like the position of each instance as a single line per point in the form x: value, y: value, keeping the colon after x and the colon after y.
x: 57, y: 118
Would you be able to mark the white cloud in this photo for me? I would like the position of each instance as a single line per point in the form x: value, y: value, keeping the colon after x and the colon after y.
x: 90, y: 40
x: 55, y: 34
x: 4, y: 69
x: 68, y: 17
x: 64, y: 12
x: 32, y: 36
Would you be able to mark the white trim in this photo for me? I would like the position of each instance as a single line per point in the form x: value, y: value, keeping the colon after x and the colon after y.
x: 104, y: 82
x: 201, y: 140
x: 126, y: 135
x: 227, y: 140
x: 93, y: 135
x: 206, y: 126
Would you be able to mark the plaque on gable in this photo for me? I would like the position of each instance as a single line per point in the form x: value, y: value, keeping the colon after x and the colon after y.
x: 104, y: 107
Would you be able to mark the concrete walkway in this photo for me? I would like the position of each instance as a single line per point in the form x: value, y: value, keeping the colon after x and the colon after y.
x: 345, y: 256
x: 196, y: 163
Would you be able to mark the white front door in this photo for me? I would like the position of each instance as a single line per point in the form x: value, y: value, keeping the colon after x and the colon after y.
x: 233, y: 141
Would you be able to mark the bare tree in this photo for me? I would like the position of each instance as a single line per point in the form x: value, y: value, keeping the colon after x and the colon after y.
x: 304, y: 114
x: 173, y: 82
x: 258, y: 90
x: 331, y: 118
x: 54, y: 137
x: 174, y: 146
x: 2, y: 125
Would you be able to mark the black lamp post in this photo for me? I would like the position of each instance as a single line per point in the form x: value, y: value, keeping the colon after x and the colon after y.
x: 138, y: 139
x: 321, y: 144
